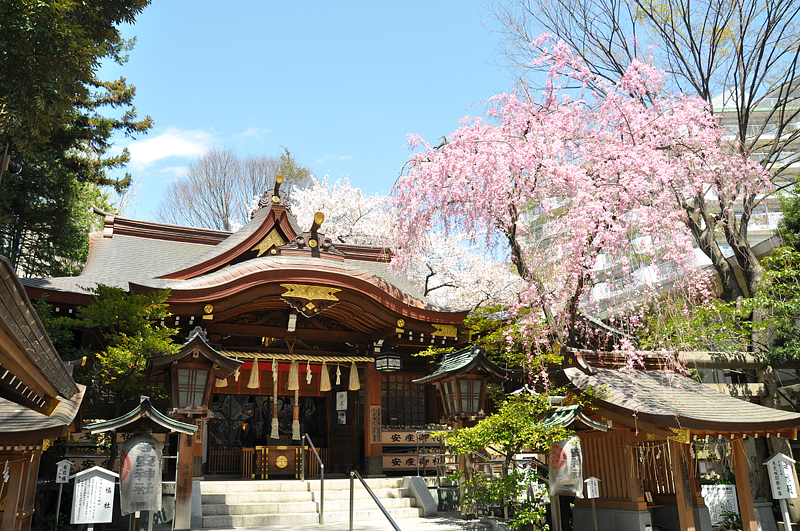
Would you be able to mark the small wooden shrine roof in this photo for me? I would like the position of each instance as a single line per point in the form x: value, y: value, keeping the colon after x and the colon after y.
x: 196, y: 344
x: 571, y: 417
x: 26, y: 353
x: 472, y: 358
x: 19, y: 424
x: 668, y: 399
x: 143, y: 417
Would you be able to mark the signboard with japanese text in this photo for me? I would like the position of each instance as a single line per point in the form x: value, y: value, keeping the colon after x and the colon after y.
x: 140, y: 474
x: 592, y: 487
x: 341, y: 401
x: 400, y: 437
x: 409, y: 461
x: 62, y: 471
x: 720, y: 498
x: 781, y: 478
x: 93, y: 496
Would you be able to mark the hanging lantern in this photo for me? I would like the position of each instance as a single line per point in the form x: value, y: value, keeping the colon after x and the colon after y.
x: 388, y: 362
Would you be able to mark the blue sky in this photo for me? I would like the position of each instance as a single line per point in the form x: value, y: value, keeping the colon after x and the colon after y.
x: 339, y: 84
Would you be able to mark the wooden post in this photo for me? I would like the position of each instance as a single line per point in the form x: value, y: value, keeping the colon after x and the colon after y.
x: 14, y: 488
x: 183, y: 484
x: 743, y: 491
x: 373, y: 450
x: 683, y: 489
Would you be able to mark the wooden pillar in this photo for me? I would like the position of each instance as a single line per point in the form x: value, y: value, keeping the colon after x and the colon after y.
x: 635, y: 491
x: 14, y: 490
x: 683, y: 489
x: 27, y: 501
x: 743, y: 492
x: 373, y: 451
x: 183, y: 487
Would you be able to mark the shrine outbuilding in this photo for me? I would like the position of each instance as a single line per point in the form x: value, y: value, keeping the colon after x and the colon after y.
x: 39, y: 401
x: 660, y: 422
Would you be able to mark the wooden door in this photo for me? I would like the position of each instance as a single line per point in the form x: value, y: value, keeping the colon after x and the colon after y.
x: 344, y: 439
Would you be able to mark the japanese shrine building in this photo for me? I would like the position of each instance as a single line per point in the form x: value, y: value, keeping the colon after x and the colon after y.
x: 275, y: 291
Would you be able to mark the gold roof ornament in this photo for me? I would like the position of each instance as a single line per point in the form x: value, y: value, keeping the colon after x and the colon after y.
x: 271, y: 240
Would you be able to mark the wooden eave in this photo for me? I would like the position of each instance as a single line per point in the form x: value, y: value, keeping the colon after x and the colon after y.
x: 23, y: 425
x: 479, y: 362
x: 143, y: 417
x: 225, y: 366
x: 267, y: 282
x: 31, y: 372
x: 659, y: 400
x: 276, y: 218
x: 160, y: 231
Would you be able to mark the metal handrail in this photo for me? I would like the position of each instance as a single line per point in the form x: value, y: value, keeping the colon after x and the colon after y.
x: 354, y: 474
x: 321, y: 475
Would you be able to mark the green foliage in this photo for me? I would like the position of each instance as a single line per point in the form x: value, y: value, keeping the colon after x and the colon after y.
x: 730, y: 520
x: 780, y: 293
x: 61, y: 336
x: 683, y: 325
x: 790, y: 224
x: 45, y: 211
x: 49, y: 52
x: 514, y: 428
x: 295, y: 174
x: 502, y: 337
x: 680, y: 324
x: 127, y: 330
x: 478, y: 490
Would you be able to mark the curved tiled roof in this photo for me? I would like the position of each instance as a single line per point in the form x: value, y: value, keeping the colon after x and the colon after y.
x: 375, y: 273
x: 668, y: 399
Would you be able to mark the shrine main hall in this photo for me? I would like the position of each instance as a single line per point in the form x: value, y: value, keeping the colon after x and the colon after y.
x: 323, y: 334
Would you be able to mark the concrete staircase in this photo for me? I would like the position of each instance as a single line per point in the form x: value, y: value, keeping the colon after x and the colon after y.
x: 243, y: 504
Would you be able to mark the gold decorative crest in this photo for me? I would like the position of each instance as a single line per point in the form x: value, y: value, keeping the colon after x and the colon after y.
x: 309, y: 300
x: 310, y: 293
x: 445, y: 331
x: 273, y: 239
x: 681, y: 436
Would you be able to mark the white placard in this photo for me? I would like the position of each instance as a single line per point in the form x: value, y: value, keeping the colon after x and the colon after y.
x: 341, y: 401
x: 720, y: 498
x: 781, y: 478
x: 93, y: 496
x: 592, y: 487
x: 62, y: 472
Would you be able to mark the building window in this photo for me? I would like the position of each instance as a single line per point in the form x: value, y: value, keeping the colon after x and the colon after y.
x: 470, y: 395
x: 402, y: 401
x: 191, y: 387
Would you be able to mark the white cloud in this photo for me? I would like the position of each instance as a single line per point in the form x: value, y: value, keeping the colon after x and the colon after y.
x: 175, y: 171
x: 171, y: 143
x: 254, y: 132
x: 335, y: 158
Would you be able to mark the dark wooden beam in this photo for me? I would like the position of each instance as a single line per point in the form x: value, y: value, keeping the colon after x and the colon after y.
x: 306, y: 334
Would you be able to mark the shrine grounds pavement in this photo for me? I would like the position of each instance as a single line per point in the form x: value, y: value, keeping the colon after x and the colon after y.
x: 448, y: 521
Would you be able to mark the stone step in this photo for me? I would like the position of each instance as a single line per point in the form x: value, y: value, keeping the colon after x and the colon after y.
x: 222, y: 509
x: 257, y: 497
x: 299, y: 496
x: 360, y: 494
x: 304, y: 507
x: 233, y: 521
x: 220, y: 487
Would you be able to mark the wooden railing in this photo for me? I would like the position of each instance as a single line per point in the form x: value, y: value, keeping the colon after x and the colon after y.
x: 224, y: 460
